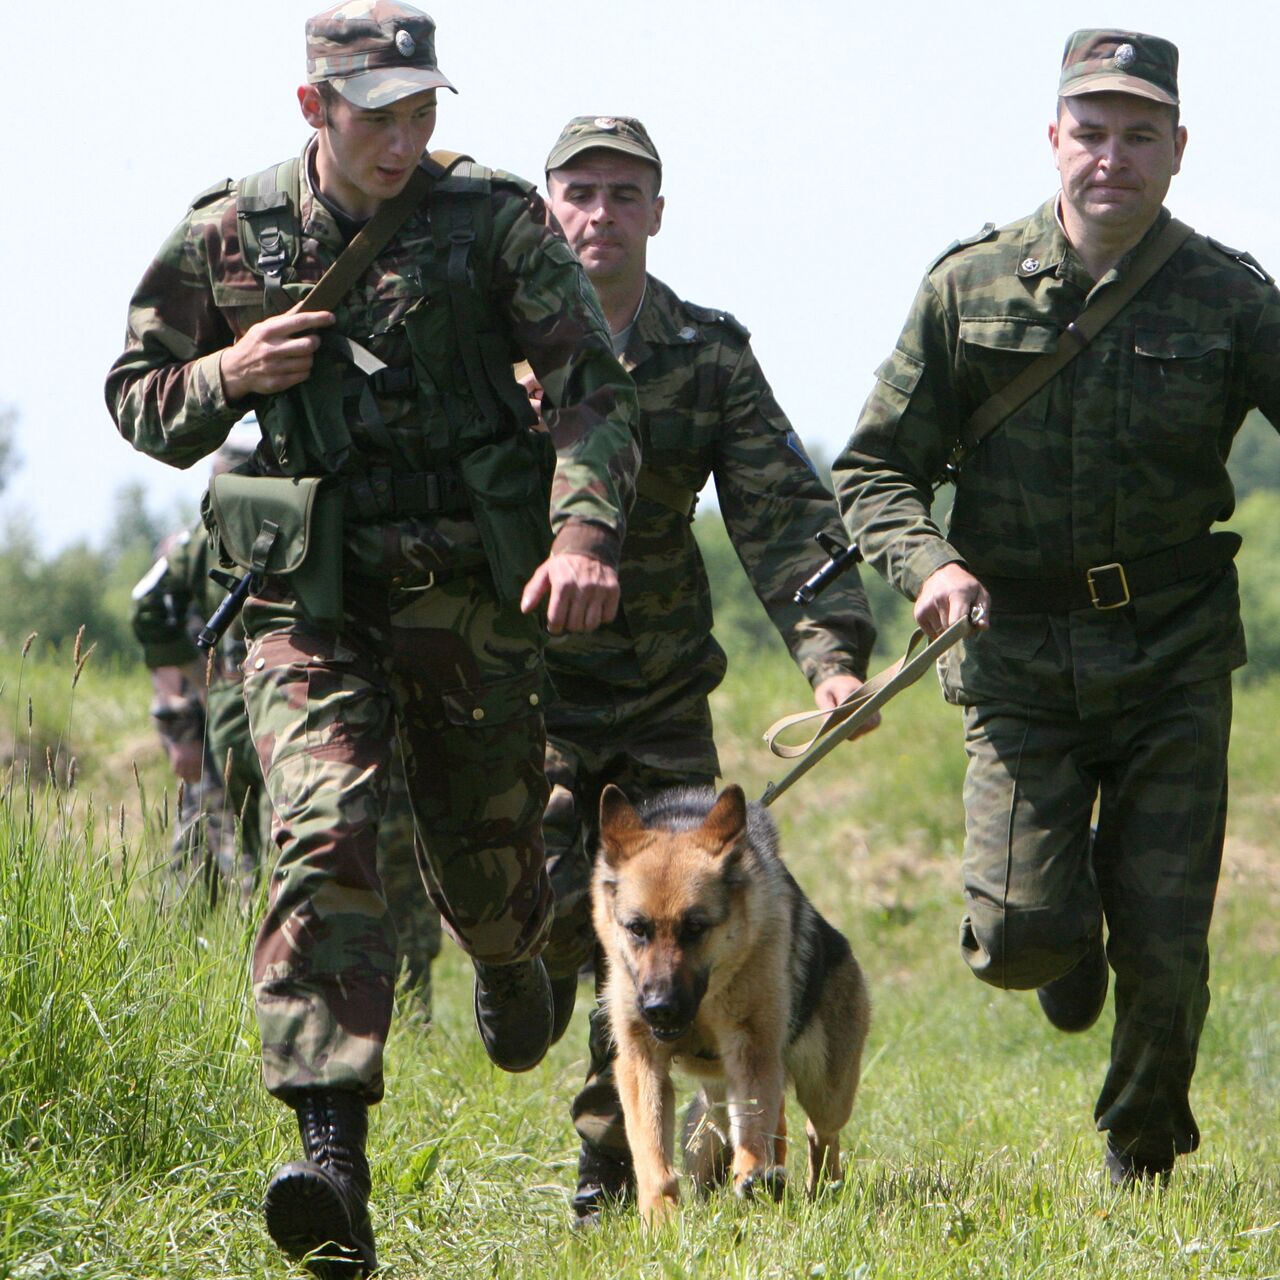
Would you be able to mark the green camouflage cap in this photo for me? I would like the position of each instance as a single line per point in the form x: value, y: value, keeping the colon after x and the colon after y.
x: 1120, y: 62
x: 374, y: 52
x: 607, y: 133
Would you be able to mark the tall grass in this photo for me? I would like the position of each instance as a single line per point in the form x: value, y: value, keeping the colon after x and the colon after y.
x: 135, y: 1139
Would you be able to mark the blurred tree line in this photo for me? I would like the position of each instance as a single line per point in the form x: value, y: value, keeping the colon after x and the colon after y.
x: 90, y: 585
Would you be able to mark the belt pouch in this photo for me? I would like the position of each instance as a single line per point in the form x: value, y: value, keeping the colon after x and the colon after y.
x: 285, y: 527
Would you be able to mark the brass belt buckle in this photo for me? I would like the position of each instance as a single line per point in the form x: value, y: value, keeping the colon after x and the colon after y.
x: 1094, y: 596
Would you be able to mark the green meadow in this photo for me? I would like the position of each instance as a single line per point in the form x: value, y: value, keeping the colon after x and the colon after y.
x: 135, y: 1139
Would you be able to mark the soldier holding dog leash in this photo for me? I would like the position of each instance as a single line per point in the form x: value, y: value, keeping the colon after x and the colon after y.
x: 1089, y: 367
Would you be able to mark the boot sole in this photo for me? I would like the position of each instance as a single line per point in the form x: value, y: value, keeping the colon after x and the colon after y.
x: 306, y: 1215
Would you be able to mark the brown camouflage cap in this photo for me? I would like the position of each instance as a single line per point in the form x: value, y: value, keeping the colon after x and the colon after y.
x: 374, y: 52
x: 1120, y: 62
x: 607, y: 133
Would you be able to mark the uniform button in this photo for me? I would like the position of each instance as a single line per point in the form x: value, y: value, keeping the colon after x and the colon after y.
x: 261, y: 662
x: 379, y: 486
x: 478, y: 714
x: 534, y: 699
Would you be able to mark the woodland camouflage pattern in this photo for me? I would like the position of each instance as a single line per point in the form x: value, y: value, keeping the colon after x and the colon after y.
x: 457, y: 673
x: 631, y: 699
x: 183, y: 597
x: 1121, y: 455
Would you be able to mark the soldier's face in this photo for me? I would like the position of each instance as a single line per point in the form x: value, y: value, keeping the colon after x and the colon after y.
x: 1116, y: 155
x: 607, y: 205
x: 365, y: 157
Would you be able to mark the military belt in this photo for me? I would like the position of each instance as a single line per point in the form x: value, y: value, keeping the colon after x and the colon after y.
x: 1112, y: 586
x: 384, y: 494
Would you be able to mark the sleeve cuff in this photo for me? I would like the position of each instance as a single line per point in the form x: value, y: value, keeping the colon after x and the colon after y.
x: 585, y: 538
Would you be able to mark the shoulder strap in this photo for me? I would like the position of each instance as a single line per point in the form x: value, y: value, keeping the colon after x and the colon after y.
x: 1077, y: 335
x: 356, y: 258
x: 269, y: 233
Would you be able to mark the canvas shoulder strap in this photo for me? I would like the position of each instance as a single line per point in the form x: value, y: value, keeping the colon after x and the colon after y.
x: 1077, y: 335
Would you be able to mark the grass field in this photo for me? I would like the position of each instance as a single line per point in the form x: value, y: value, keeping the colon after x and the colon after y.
x: 135, y: 1139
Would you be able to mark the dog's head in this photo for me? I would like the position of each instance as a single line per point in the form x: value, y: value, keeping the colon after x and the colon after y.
x: 665, y: 901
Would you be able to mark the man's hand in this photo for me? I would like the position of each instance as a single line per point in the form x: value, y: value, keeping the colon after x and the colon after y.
x: 948, y: 595
x: 834, y: 690
x: 274, y: 355
x: 526, y: 377
x: 583, y: 591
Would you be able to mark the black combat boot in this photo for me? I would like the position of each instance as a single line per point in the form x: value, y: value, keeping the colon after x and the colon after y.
x: 604, y: 1180
x: 1074, y: 1001
x: 320, y: 1205
x: 564, y: 995
x: 513, y: 1012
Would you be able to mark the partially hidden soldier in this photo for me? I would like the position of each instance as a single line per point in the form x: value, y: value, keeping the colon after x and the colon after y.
x: 222, y: 836
x: 404, y: 532
x: 224, y: 820
x: 631, y: 701
x: 1082, y: 523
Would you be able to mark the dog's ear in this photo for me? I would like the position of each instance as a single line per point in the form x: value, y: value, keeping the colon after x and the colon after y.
x: 619, y: 825
x: 724, y: 825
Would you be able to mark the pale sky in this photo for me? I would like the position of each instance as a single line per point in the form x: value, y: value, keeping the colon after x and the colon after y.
x: 817, y: 155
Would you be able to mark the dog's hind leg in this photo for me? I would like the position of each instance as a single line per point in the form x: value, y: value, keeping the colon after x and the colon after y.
x: 706, y: 1141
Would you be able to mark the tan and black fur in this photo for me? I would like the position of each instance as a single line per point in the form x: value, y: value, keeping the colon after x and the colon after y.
x: 720, y: 966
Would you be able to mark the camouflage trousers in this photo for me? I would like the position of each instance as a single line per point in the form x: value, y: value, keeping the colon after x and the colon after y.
x: 247, y: 820
x: 1038, y: 888
x: 644, y: 743
x: 458, y: 679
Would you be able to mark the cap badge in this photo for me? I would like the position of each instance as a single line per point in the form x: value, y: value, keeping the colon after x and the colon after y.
x: 1126, y: 55
x: 1031, y: 264
x: 605, y: 122
x: 405, y: 44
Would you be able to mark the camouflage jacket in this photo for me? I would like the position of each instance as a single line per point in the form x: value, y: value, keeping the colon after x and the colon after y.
x: 1123, y: 454
x: 173, y: 601
x: 199, y: 296
x: 706, y: 410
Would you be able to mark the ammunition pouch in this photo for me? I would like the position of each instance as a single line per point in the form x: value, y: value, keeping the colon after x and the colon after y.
x: 284, y: 527
x: 509, y: 484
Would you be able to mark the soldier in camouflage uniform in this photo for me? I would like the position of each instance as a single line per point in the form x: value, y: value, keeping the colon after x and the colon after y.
x: 224, y: 819
x: 224, y: 830
x: 631, y: 700
x: 448, y: 557
x: 1082, y: 522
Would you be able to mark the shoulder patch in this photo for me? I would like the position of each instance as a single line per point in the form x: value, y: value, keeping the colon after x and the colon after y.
x: 713, y: 315
x: 1246, y: 260
x: 213, y: 192
x: 988, y: 230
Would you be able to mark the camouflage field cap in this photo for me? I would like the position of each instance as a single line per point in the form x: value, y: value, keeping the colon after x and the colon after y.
x: 608, y: 133
x: 374, y: 52
x: 1120, y: 62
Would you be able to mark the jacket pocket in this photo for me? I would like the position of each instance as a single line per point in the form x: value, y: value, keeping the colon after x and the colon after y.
x: 1179, y: 386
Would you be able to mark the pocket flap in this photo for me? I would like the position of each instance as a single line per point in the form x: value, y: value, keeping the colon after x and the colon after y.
x: 495, y: 702
x: 243, y: 504
x: 1187, y: 345
x: 901, y: 371
x: 1006, y: 333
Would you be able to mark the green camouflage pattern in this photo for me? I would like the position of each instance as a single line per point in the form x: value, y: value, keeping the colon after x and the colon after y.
x: 707, y: 411
x: 1122, y: 454
x: 1119, y: 62
x: 198, y: 296
x: 603, y: 133
x: 374, y: 52
x: 457, y: 678
x: 1037, y: 888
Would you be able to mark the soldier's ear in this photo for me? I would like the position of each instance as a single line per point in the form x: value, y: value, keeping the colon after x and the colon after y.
x: 659, y: 203
x: 312, y: 105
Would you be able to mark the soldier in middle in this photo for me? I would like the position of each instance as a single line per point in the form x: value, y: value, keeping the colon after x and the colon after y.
x: 631, y: 703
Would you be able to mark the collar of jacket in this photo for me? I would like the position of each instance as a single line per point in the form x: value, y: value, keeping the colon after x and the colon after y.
x: 661, y: 322
x: 316, y: 221
x: 1045, y: 246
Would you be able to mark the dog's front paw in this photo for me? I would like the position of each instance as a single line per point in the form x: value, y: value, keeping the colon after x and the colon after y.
x: 657, y: 1209
x: 771, y: 1180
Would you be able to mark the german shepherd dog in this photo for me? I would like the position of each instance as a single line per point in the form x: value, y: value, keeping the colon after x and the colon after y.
x: 718, y: 964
